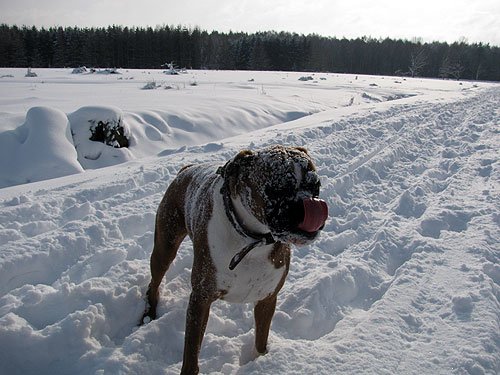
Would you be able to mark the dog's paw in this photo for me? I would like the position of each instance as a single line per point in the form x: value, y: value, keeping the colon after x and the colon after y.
x: 258, y: 354
x: 148, y: 316
x: 249, y: 353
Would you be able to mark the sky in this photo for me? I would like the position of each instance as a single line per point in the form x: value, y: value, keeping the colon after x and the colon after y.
x: 430, y: 20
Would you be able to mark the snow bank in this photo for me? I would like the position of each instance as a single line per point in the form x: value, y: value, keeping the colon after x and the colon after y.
x: 95, y: 154
x: 163, y: 121
x: 39, y: 149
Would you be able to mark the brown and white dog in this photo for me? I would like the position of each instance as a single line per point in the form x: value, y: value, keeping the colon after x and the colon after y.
x: 241, y: 218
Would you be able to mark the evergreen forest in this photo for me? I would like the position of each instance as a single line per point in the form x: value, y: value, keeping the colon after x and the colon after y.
x: 152, y: 48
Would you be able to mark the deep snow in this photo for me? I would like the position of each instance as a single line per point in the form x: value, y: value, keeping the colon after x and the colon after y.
x: 158, y: 121
x: 403, y: 280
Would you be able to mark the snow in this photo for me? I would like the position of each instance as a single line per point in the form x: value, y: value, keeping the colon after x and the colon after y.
x: 404, y: 278
x: 39, y: 149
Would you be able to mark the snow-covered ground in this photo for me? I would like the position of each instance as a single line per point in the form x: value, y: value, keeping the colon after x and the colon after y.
x: 403, y: 280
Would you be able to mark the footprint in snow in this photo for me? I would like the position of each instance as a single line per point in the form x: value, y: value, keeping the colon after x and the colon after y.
x: 463, y: 306
x: 409, y: 205
x: 455, y: 221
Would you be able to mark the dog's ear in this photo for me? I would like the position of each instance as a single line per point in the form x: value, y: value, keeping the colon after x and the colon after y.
x: 243, y: 154
x: 232, y: 169
x: 302, y: 149
x: 233, y: 166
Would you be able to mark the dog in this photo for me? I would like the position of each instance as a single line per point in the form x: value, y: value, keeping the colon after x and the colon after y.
x: 242, y: 218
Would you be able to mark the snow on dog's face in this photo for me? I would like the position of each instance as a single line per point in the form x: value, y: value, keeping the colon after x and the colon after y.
x: 279, y: 186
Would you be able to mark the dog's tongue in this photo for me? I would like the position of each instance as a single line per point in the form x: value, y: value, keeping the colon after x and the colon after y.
x: 315, y: 214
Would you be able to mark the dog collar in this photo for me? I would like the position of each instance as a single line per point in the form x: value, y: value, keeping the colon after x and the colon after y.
x: 259, y: 238
x: 266, y: 240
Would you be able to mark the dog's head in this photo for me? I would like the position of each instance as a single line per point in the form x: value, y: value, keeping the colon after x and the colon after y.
x: 279, y: 186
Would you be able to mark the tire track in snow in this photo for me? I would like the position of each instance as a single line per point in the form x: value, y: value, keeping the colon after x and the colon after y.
x: 369, y: 224
x: 422, y: 313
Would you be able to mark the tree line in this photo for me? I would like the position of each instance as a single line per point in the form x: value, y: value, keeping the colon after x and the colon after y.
x: 150, y: 48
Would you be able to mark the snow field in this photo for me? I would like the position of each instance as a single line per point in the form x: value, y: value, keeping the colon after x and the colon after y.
x: 158, y: 122
x: 404, y: 278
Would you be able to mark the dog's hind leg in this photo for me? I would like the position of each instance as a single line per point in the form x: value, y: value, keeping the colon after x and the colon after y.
x: 170, y: 230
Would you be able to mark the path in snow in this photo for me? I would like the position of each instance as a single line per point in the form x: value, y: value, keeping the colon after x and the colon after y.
x: 426, y: 169
x: 404, y: 279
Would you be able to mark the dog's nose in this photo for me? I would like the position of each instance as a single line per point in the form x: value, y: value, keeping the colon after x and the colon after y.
x: 315, y: 214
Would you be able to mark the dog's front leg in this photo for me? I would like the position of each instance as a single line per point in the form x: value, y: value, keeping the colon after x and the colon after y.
x: 263, y: 314
x: 196, y: 322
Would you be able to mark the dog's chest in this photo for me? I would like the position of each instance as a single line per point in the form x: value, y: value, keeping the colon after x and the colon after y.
x: 255, y: 277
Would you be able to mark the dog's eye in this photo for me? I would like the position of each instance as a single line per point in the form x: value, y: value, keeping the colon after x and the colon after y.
x: 280, y: 192
x: 311, y: 183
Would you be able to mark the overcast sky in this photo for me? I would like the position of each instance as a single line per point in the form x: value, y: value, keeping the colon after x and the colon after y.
x: 450, y: 20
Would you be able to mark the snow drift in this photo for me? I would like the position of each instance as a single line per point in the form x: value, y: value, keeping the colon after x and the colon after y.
x: 169, y: 120
x: 41, y: 148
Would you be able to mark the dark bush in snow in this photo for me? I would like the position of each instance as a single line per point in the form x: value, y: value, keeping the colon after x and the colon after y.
x: 79, y: 70
x: 151, y: 85
x: 306, y: 78
x: 110, y: 133
x: 30, y: 73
